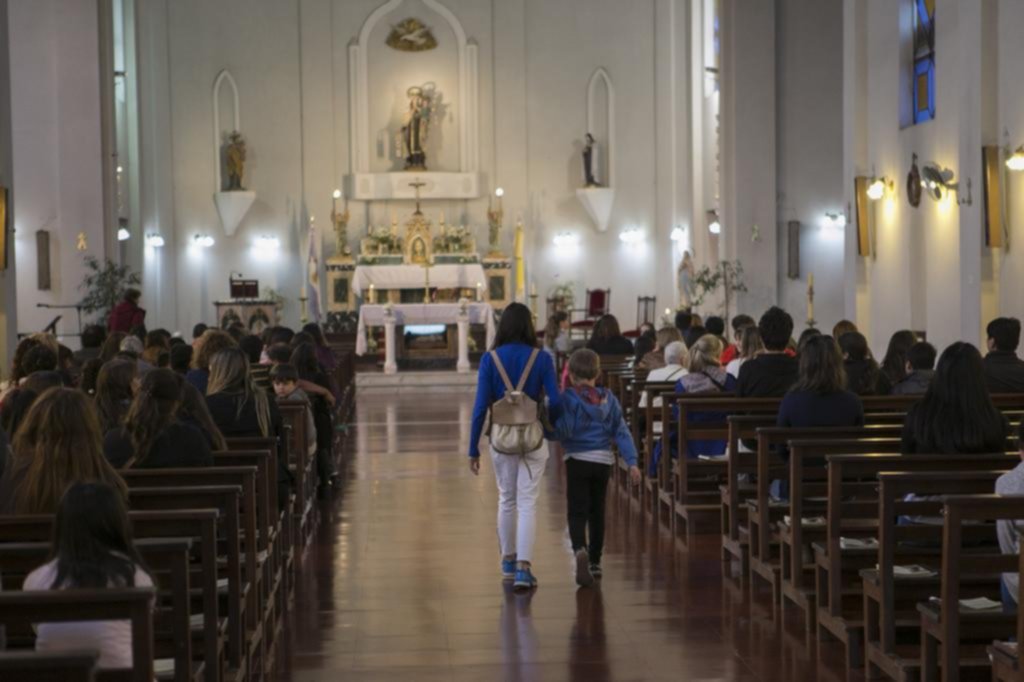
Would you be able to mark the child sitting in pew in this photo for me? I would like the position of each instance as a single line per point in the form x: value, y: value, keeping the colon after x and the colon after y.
x: 1009, y: 532
x: 92, y: 548
x: 285, y: 379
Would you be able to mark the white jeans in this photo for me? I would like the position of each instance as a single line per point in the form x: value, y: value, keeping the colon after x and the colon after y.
x: 517, y: 500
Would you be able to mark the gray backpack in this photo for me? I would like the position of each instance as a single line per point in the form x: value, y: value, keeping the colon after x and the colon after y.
x: 516, y: 426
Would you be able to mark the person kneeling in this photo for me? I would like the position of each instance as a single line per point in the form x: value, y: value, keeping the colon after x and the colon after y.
x: 591, y: 420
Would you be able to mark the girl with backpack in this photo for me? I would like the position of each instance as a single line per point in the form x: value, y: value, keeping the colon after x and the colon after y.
x: 513, y: 381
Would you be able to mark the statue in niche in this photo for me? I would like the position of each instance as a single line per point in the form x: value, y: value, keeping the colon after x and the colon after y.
x: 412, y: 138
x: 411, y: 35
x: 590, y: 162
x: 234, y: 161
x: 685, y: 276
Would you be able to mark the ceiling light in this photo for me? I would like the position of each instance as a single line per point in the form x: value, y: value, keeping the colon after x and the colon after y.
x: 677, y: 234
x: 631, y: 235
x: 154, y: 240
x: 563, y: 239
x: 268, y: 243
x: 203, y: 240
x: 123, y: 234
x: 1016, y: 160
x: 835, y: 220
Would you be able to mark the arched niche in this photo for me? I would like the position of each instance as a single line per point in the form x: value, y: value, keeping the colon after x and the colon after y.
x: 218, y: 139
x: 601, y: 122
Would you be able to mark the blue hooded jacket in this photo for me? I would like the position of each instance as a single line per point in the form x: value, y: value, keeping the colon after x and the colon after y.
x: 584, y: 427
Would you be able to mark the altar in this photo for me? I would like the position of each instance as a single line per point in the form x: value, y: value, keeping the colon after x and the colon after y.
x: 468, y: 278
x: 391, y: 317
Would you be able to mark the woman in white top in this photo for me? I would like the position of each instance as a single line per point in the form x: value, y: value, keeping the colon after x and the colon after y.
x: 750, y: 345
x: 92, y: 548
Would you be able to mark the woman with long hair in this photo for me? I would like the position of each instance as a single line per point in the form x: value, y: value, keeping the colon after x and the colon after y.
x: 192, y: 410
x: 518, y: 477
x: 750, y: 346
x: 662, y: 338
x: 894, y: 365
x: 152, y: 436
x: 115, y: 387
x: 210, y: 343
x: 307, y: 366
x: 820, y: 396
x: 956, y: 414
x: 556, y: 334
x: 92, y: 549
x: 863, y: 376
x: 59, y: 443
x: 17, y: 364
x: 112, y: 346
x: 607, y: 338
x: 239, y: 408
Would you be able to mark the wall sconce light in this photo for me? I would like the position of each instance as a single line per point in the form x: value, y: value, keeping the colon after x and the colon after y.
x: 834, y: 220
x: 123, y: 234
x: 566, y: 239
x: 938, y: 181
x: 879, y: 186
x: 203, y: 240
x: 678, y: 233
x: 268, y: 243
x: 631, y: 235
x: 1015, y: 161
x: 154, y: 240
x: 714, y: 226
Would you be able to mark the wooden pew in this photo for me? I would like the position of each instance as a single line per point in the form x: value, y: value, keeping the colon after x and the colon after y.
x: 1003, y: 654
x: 892, y: 624
x: 29, y: 666
x: 646, y: 418
x: 949, y: 635
x: 201, y: 526
x: 168, y: 559
x: 738, y: 488
x: 303, y: 470
x: 22, y: 609
x: 853, y: 512
x: 762, y: 513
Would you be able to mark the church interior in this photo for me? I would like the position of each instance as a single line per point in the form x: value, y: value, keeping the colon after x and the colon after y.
x: 703, y: 310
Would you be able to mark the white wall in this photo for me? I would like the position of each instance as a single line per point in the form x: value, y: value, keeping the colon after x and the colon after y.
x: 55, y: 118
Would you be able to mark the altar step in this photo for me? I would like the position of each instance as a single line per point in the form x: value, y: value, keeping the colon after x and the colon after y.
x: 415, y: 382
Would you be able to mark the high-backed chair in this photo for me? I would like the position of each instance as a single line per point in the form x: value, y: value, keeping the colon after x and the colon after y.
x: 598, y: 303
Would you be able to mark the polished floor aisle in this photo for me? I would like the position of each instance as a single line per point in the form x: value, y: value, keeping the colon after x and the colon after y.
x: 402, y: 582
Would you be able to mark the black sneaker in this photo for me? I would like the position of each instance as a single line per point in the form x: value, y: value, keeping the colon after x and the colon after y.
x: 595, y: 570
x: 583, y: 575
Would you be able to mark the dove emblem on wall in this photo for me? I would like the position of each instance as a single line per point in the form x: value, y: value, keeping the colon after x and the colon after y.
x: 411, y: 35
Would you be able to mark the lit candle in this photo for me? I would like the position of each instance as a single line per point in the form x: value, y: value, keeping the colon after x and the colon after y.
x: 336, y: 196
x: 371, y: 294
x: 533, y: 288
x: 499, y: 193
x: 479, y: 291
x: 810, y: 296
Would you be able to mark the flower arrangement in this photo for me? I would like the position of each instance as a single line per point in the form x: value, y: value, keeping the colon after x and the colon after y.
x: 455, y: 240
x: 385, y: 241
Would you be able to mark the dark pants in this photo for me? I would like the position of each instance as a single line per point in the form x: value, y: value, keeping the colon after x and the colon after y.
x: 586, y: 489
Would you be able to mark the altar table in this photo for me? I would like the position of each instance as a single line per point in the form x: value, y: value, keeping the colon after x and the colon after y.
x: 443, y: 276
x: 390, y: 316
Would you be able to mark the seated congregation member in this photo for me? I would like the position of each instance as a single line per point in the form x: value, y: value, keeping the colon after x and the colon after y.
x: 18, y: 364
x: 324, y: 354
x: 692, y: 335
x: 15, y: 406
x: 716, y: 327
x: 863, y: 376
x: 112, y: 346
x: 683, y: 321
x: 1009, y: 532
x: 920, y: 368
x: 843, y: 327
x: 197, y: 333
x: 152, y: 437
x: 253, y: 348
x: 92, y: 549
x: 285, y: 381
x: 556, y: 334
x: 307, y: 368
x: 181, y: 358
x: 210, y: 343
x: 127, y: 314
x: 804, y: 335
x: 656, y: 358
x: 93, y: 337
x: 645, y: 344
x: 956, y: 415
x: 738, y: 324
x: 58, y: 443
x: 115, y: 388
x: 894, y: 364
x: 751, y: 347
x: 238, y: 408
x: 1004, y: 371
x: 518, y: 477
x: 156, y: 350
x: 590, y: 423
x: 819, y: 397
x: 676, y: 360
x: 607, y: 338
x: 772, y: 372
x: 193, y: 411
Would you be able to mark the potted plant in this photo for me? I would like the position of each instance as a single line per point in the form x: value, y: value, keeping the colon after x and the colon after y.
x: 725, y: 274
x: 105, y: 283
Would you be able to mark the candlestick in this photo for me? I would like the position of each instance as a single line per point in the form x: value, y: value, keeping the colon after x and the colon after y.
x: 479, y: 291
x: 810, y: 299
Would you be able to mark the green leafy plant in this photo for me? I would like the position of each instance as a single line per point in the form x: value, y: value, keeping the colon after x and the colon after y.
x: 105, y: 283
x: 725, y: 274
x: 566, y: 293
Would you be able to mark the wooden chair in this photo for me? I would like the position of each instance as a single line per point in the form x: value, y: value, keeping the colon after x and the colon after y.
x: 646, y: 310
x: 1004, y: 654
x: 597, y: 304
x: 22, y: 609
x: 49, y: 666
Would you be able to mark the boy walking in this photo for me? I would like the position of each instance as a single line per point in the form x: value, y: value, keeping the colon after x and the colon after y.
x: 591, y: 420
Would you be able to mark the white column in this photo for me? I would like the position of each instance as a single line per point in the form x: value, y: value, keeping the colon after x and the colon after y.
x: 390, y: 366
x: 462, y: 321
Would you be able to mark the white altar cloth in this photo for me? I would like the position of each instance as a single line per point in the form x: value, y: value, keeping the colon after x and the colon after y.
x: 423, y: 313
x: 444, y: 276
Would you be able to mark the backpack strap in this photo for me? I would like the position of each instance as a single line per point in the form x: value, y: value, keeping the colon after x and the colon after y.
x: 501, y: 371
x: 527, y: 370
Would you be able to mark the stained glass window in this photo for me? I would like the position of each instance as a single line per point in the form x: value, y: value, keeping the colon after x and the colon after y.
x: 924, y: 60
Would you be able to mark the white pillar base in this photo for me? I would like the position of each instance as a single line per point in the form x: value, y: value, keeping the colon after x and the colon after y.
x: 462, y: 321
x: 390, y: 366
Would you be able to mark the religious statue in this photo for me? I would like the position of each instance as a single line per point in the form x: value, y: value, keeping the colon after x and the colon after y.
x: 412, y: 139
x: 685, y: 276
x: 341, y: 246
x: 234, y: 160
x: 495, y: 216
x: 590, y: 152
x: 411, y: 35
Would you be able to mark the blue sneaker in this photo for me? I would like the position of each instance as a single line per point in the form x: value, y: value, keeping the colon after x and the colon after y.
x: 524, y: 580
x: 508, y: 569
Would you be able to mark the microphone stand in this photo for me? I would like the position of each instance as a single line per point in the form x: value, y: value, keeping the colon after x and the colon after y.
x: 77, y: 307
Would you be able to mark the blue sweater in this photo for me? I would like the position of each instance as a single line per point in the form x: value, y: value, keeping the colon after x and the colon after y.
x: 490, y: 388
x: 583, y: 427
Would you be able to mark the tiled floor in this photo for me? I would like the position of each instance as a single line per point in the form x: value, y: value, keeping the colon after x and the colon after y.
x: 402, y: 582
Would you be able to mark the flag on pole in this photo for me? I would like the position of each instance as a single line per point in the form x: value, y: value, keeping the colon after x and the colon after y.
x: 313, y: 275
